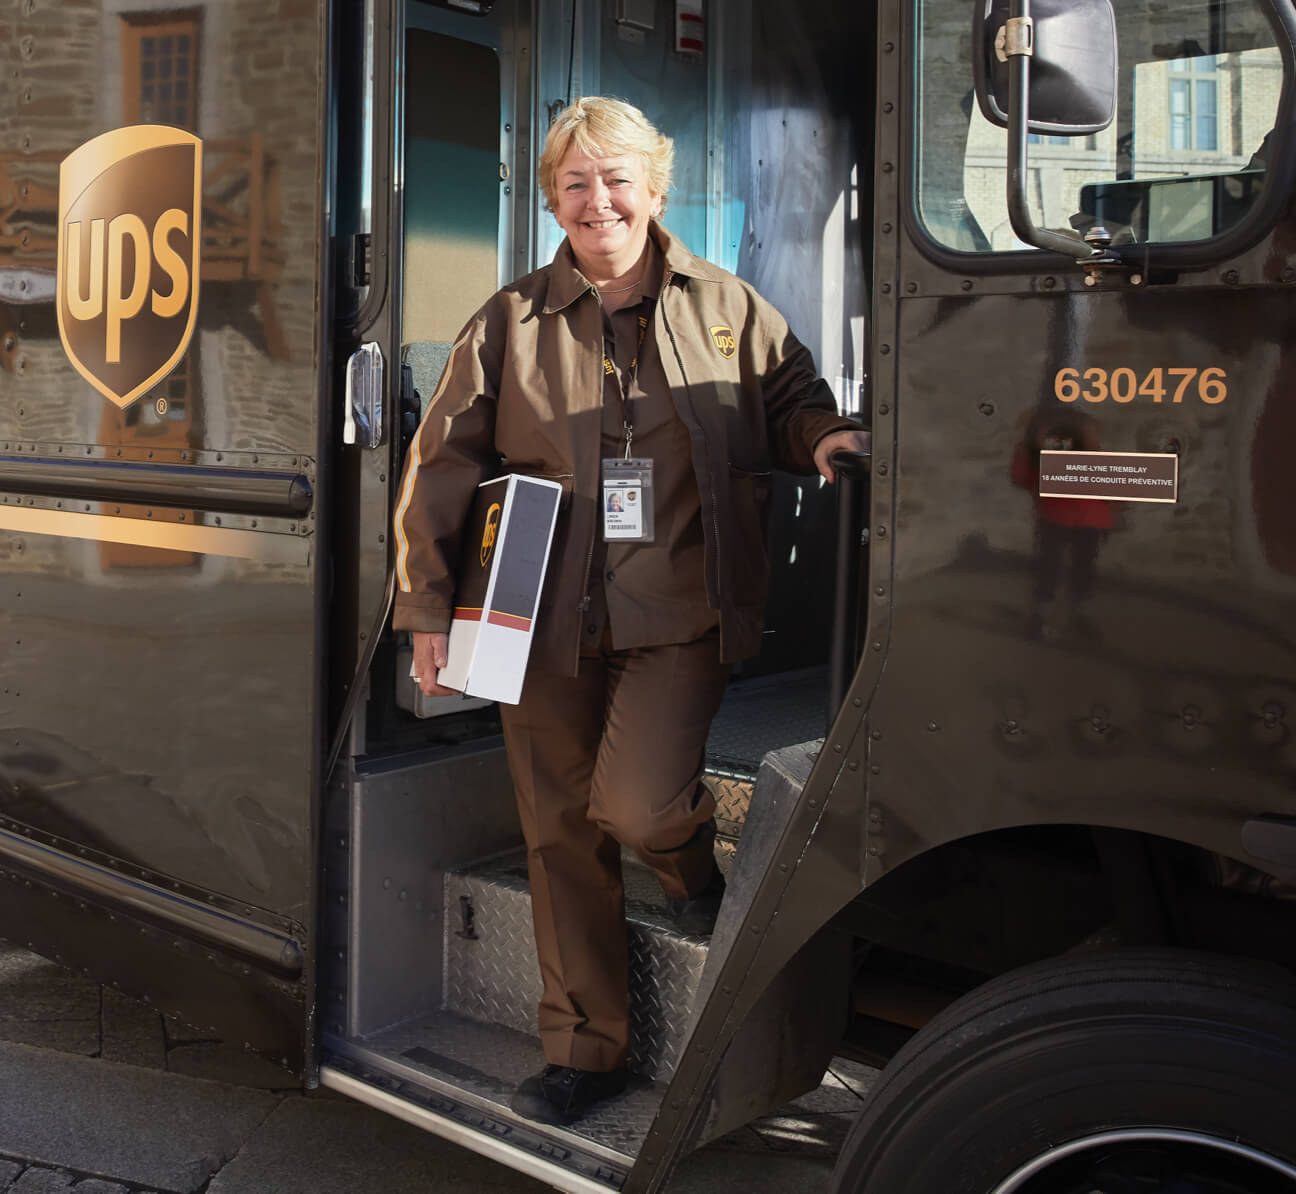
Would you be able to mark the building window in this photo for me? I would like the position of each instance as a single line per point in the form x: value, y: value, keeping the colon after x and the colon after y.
x: 160, y: 70
x: 1194, y: 103
x: 1089, y: 142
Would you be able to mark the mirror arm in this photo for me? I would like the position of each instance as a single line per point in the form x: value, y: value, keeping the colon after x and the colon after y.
x: 1018, y: 52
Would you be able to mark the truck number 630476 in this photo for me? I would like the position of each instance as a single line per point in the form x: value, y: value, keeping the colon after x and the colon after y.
x: 1124, y: 385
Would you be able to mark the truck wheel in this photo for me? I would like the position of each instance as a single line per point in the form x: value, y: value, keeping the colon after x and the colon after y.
x: 1150, y: 1071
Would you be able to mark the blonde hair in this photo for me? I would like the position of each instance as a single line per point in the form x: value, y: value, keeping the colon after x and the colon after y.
x: 603, y: 127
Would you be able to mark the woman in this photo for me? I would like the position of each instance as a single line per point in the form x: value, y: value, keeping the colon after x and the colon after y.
x: 625, y: 367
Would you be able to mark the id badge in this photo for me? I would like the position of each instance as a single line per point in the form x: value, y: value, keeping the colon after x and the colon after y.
x: 627, y: 501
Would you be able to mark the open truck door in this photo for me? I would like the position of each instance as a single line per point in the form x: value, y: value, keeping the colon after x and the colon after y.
x: 163, y: 406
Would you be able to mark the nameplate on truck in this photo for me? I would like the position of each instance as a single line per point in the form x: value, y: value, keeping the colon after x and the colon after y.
x: 1110, y: 476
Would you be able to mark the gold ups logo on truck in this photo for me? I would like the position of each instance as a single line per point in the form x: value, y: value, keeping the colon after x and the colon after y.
x: 130, y: 207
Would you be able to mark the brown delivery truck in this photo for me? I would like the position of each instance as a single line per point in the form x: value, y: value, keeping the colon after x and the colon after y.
x: 1007, y: 803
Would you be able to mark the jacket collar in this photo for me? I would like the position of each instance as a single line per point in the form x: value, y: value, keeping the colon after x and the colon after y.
x: 679, y: 261
x: 567, y: 283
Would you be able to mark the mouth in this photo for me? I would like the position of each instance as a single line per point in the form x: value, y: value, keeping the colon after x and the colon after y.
x: 602, y: 225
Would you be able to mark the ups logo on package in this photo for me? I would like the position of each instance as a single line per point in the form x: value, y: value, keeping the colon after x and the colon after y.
x: 489, y: 533
x: 130, y: 209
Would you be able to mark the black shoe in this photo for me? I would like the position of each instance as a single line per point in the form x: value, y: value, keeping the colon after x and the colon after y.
x: 696, y: 915
x: 561, y: 1094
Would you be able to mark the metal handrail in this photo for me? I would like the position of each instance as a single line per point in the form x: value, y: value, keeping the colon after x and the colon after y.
x: 852, y: 470
x: 273, y: 493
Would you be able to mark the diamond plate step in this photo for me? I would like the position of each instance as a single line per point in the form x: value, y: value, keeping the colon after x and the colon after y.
x: 479, y: 1066
x: 491, y: 974
x: 756, y: 716
x: 733, y: 799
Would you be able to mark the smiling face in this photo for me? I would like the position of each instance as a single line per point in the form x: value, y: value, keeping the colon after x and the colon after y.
x: 604, y: 205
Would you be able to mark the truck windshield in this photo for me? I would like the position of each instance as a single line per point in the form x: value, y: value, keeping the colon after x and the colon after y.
x: 1198, y: 91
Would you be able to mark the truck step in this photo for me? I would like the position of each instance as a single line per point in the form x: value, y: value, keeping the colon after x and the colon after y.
x: 491, y: 975
x: 758, y: 714
x: 463, y: 1060
x: 764, y: 713
x: 466, y: 1072
x: 733, y: 798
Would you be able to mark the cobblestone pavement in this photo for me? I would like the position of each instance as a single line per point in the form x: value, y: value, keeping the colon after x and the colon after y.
x: 99, y: 1095
x: 17, y: 1177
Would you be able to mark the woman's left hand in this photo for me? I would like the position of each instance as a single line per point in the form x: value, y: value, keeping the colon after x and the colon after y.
x: 847, y: 440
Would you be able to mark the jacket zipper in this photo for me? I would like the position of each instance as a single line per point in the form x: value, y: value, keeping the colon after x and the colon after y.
x: 715, y: 505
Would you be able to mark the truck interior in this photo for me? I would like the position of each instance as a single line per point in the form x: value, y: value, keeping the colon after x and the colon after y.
x: 429, y: 983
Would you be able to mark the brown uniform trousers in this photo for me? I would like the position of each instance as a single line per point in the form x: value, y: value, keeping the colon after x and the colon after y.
x: 612, y: 756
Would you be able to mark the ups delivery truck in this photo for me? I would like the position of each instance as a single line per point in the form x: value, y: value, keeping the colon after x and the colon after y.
x: 1008, y: 801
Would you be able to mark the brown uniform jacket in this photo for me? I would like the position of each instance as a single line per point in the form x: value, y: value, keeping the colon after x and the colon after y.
x: 523, y: 392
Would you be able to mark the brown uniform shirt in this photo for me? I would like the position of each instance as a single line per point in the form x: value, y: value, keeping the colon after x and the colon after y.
x: 648, y: 594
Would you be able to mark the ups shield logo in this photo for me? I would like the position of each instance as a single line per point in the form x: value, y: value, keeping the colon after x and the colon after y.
x: 130, y: 208
x: 724, y: 340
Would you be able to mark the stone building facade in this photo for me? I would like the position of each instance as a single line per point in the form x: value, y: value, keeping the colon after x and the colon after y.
x: 1245, y: 87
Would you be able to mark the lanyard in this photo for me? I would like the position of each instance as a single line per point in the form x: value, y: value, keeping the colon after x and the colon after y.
x: 609, y: 371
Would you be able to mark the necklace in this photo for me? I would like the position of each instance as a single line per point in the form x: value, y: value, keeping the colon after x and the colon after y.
x: 622, y: 289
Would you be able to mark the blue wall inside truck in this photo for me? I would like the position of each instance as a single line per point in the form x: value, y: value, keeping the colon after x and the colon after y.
x: 641, y: 66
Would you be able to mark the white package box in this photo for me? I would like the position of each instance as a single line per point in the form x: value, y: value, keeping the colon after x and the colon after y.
x: 505, y: 553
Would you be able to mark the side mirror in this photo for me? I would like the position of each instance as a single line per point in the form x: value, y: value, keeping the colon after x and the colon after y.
x: 1046, y: 66
x: 1072, y: 70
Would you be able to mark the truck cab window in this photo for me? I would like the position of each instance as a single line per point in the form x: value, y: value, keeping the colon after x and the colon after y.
x: 1197, y: 95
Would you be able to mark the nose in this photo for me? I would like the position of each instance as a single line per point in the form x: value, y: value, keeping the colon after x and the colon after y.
x: 599, y: 196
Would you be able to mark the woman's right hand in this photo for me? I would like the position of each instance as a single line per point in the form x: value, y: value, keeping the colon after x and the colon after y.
x: 429, y: 659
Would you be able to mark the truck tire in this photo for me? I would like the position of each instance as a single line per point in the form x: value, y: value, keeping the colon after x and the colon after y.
x: 1148, y: 1070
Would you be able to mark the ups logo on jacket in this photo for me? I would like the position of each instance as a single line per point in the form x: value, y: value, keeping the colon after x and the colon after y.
x: 724, y: 340
x: 130, y: 209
